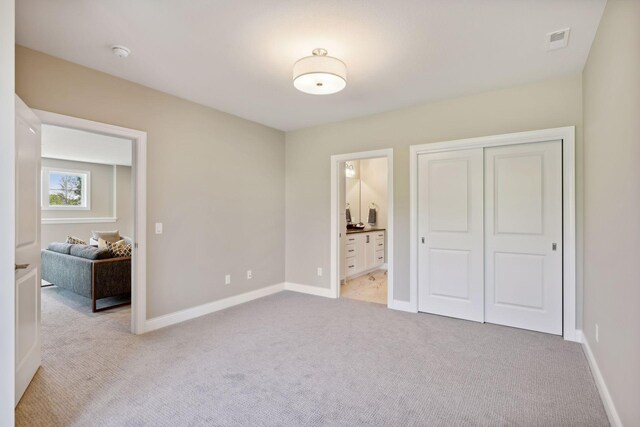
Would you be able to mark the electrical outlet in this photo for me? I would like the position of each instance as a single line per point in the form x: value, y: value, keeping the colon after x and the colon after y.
x: 597, y: 333
x: 319, y: 271
x: 227, y: 279
x: 249, y: 275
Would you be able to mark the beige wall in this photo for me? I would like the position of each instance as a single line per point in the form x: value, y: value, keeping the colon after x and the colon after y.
x: 541, y: 105
x: 611, y: 83
x: 103, y: 178
x: 216, y: 181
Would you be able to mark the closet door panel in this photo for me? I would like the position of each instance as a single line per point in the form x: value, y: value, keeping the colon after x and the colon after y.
x: 523, y: 201
x: 450, y: 225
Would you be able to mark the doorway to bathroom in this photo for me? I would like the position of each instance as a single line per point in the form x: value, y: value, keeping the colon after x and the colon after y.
x: 362, y: 226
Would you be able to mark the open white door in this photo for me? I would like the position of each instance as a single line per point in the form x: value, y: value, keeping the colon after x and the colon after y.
x: 450, y: 227
x: 523, y: 201
x: 27, y: 277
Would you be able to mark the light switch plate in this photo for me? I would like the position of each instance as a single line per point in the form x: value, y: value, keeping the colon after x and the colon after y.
x: 227, y: 279
x: 319, y: 271
x: 158, y: 228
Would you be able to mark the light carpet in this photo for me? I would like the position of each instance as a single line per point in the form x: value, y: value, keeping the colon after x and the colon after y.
x: 291, y: 360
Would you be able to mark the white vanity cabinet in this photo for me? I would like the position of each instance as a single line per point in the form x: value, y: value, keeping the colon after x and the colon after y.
x: 364, y: 251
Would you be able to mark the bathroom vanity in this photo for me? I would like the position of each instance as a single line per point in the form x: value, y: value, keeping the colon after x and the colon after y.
x: 364, y: 251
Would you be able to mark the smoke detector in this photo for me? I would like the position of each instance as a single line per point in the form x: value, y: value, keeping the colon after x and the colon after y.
x: 120, y: 51
x: 558, y: 39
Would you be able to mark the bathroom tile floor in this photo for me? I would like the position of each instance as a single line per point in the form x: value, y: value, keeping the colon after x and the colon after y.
x: 370, y: 287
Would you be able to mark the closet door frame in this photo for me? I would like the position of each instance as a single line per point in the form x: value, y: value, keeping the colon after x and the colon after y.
x: 567, y: 135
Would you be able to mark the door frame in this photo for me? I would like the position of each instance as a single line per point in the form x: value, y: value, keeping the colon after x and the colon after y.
x: 7, y: 213
x: 335, y: 218
x: 567, y: 135
x: 139, y: 173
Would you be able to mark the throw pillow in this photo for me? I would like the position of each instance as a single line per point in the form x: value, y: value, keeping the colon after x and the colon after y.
x: 75, y: 241
x: 119, y: 249
x: 109, y: 236
x: 102, y: 244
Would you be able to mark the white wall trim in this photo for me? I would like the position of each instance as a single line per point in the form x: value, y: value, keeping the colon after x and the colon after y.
x: 139, y: 177
x: 609, y: 406
x: 78, y: 220
x: 335, y: 218
x: 114, y: 201
x: 567, y: 135
x: 307, y: 289
x: 7, y: 213
x: 403, y: 306
x: 211, y: 307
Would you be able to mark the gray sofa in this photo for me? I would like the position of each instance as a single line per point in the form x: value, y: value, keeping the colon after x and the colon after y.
x: 87, y: 271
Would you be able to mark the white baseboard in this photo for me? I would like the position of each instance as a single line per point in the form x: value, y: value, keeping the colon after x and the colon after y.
x: 609, y: 407
x: 311, y: 290
x: 574, y: 336
x: 402, y: 306
x: 211, y: 307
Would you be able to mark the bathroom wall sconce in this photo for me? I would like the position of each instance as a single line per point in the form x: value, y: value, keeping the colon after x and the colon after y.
x: 349, y: 170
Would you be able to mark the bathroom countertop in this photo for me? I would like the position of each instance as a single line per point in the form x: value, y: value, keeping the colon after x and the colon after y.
x: 364, y: 230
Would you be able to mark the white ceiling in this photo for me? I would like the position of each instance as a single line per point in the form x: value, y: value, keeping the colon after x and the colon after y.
x: 81, y: 146
x: 237, y: 56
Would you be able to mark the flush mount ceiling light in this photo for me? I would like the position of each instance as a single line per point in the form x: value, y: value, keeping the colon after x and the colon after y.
x: 120, y: 51
x: 319, y: 74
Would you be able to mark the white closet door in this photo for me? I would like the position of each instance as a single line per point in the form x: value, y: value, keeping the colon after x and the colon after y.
x: 450, y: 226
x: 523, y: 239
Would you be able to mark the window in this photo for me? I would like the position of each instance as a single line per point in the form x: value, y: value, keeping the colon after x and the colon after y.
x: 65, y: 189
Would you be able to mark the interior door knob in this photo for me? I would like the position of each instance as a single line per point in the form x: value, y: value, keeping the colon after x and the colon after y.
x: 22, y: 266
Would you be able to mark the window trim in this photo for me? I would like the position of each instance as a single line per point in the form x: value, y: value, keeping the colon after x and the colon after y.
x: 86, y: 189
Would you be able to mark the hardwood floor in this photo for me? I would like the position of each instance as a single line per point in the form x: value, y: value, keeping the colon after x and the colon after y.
x: 371, y: 287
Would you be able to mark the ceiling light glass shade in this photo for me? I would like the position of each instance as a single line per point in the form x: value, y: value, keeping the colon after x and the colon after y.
x: 319, y: 74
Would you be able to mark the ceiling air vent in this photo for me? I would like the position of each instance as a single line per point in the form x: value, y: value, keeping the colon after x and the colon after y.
x: 558, y: 39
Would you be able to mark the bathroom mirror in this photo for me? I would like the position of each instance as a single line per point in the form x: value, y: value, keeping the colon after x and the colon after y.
x: 366, y: 188
x: 352, y: 187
